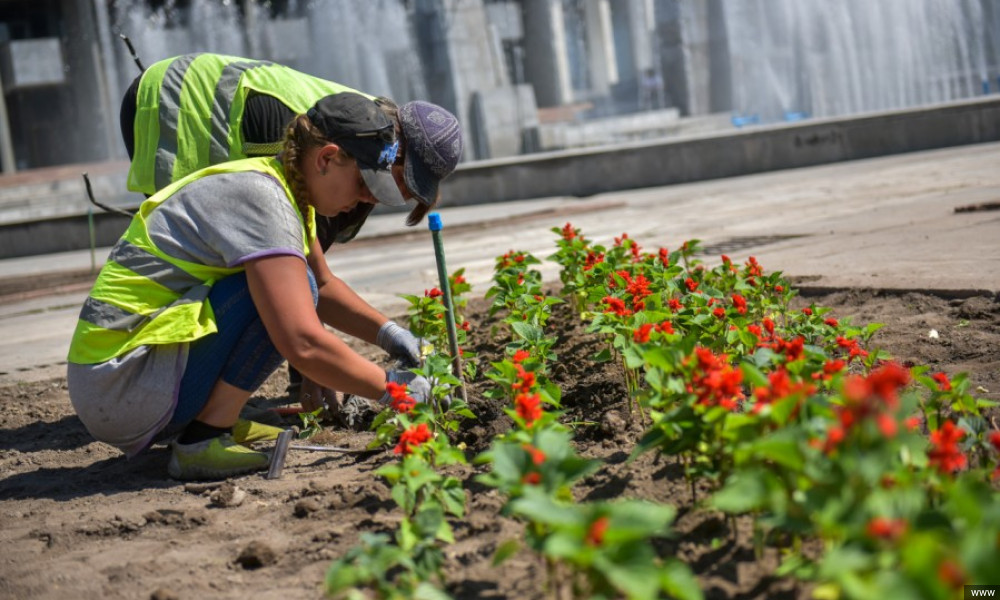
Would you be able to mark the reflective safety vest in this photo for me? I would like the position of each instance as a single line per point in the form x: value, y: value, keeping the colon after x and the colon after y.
x: 189, y: 112
x: 145, y: 297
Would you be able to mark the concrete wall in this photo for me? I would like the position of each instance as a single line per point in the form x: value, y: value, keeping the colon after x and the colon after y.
x: 45, y: 210
x: 753, y: 150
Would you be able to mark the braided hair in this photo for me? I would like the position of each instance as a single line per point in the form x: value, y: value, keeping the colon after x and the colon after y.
x: 300, y: 137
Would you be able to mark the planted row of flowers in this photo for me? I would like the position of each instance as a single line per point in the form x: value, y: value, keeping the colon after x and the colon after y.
x: 790, y: 416
x: 795, y: 420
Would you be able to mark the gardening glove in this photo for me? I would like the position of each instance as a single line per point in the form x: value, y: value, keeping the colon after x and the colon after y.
x: 400, y: 344
x: 418, y: 387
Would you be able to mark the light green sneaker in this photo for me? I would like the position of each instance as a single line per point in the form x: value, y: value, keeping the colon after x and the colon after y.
x: 217, y: 458
x: 247, y: 432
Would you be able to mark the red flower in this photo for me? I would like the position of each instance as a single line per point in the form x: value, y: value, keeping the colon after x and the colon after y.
x: 768, y: 326
x: 675, y: 304
x: 831, y: 322
x: 532, y: 478
x: 401, y: 402
x: 951, y: 573
x: 638, y: 287
x: 715, y: 381
x: 753, y: 267
x: 944, y: 454
x: 719, y: 312
x: 691, y: 284
x: 807, y: 311
x: 886, y: 529
x: 942, y: 380
x: 537, y: 456
x: 833, y: 366
x: 665, y: 327
x: 528, y: 407
x: 433, y: 293
x: 465, y: 325
x: 568, y: 232
x: 641, y: 335
x: 740, y: 303
x: 664, y: 256
x: 526, y: 380
x: 779, y: 288
x: 617, y: 306
x: 411, y: 438
x: 520, y: 356
x: 595, y: 534
x: 887, y: 425
x: 995, y: 440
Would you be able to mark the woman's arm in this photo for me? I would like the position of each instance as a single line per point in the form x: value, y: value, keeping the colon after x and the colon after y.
x: 279, y: 286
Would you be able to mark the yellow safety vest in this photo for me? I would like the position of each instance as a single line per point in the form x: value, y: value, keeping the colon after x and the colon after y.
x: 189, y: 112
x: 144, y: 297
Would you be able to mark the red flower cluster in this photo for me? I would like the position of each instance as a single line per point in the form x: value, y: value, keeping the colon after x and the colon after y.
x: 568, y: 233
x: 753, y: 268
x: 886, y: 529
x: 510, y: 258
x: 641, y: 335
x: 740, y: 303
x: 780, y: 386
x: 520, y: 356
x: 852, y: 347
x: 411, y: 438
x: 596, y: 531
x: 525, y: 380
x: 942, y: 380
x: 665, y: 327
x: 528, y: 407
x: 873, y: 397
x: 715, y: 381
x: 944, y: 454
x: 537, y: 456
x: 617, y: 306
x: 401, y: 402
x: 691, y: 284
x: 664, y: 255
x: 995, y: 442
x: 592, y: 259
x: 433, y: 293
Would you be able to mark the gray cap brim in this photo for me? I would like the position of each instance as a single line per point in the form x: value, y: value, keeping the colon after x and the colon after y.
x: 383, y: 186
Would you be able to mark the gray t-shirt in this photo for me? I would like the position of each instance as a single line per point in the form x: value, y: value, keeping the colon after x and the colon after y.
x: 219, y: 220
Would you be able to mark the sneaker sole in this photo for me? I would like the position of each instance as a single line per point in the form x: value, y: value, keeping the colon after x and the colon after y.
x: 193, y: 473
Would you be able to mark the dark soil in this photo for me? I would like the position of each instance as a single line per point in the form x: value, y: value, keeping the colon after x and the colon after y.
x: 79, y: 520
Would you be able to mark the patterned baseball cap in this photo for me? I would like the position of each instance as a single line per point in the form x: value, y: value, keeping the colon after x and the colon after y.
x: 360, y: 127
x: 433, y: 147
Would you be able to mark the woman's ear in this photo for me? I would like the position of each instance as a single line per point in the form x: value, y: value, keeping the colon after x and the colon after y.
x: 327, y: 154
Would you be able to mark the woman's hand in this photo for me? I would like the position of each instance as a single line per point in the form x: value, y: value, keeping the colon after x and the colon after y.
x: 313, y: 396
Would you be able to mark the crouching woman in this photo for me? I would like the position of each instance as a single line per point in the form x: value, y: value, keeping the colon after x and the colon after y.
x: 220, y: 278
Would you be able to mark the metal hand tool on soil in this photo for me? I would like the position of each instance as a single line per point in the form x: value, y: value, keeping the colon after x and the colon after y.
x: 283, y: 445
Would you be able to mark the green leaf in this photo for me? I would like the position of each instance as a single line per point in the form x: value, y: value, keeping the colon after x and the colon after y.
x: 742, y: 493
x: 505, y: 551
x: 528, y: 332
x: 602, y: 356
x: 677, y: 580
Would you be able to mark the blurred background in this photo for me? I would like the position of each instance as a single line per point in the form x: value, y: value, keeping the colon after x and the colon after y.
x: 523, y: 76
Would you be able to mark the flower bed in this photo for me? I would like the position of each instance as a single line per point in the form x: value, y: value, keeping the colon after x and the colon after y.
x: 861, y: 472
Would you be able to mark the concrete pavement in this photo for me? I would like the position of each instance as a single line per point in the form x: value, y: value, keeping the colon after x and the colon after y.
x: 883, y: 223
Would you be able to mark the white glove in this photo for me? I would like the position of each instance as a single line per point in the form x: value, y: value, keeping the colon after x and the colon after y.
x: 400, y: 344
